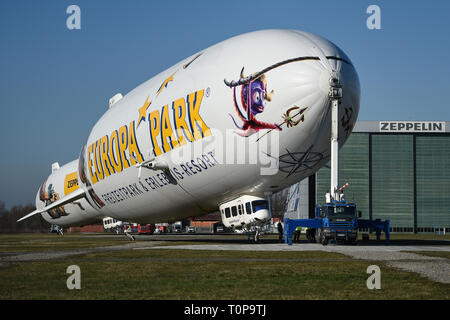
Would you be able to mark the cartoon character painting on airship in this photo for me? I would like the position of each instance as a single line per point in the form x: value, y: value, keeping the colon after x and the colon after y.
x: 48, y: 196
x: 253, y: 98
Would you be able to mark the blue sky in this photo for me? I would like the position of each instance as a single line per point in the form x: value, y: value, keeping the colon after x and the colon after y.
x: 55, y: 83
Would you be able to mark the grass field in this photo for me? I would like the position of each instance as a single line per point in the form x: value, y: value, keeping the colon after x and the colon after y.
x: 184, y: 274
x: 49, y: 242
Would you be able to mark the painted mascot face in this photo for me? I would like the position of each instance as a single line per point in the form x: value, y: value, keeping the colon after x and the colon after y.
x: 257, y: 96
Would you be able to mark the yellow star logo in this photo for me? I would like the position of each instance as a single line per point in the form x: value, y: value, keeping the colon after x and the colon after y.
x: 189, y: 63
x: 143, y: 111
x: 165, y: 83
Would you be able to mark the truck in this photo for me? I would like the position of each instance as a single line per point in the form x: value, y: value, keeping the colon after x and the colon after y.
x: 146, y: 228
x: 339, y: 222
x: 177, y: 227
x: 335, y: 220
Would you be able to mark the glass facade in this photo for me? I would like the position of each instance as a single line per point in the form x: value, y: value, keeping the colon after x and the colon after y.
x: 393, y: 179
x: 354, y: 170
x: 433, y: 181
x: 401, y: 177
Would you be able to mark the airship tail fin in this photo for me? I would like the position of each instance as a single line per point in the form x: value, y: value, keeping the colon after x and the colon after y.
x: 73, y: 196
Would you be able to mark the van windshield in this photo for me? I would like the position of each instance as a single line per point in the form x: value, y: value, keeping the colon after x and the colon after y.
x: 259, y: 205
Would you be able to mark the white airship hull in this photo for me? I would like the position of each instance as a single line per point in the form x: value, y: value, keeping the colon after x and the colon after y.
x: 189, y: 110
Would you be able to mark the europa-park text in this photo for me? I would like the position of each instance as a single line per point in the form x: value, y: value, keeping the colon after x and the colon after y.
x: 171, y: 127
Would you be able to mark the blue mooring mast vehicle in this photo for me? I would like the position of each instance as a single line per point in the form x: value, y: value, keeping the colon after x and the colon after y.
x: 339, y: 222
x: 336, y: 219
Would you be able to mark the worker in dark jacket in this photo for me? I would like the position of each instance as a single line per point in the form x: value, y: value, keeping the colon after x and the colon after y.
x: 280, y: 231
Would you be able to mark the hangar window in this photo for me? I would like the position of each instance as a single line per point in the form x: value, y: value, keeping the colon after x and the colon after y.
x: 234, y: 211
x: 227, y: 212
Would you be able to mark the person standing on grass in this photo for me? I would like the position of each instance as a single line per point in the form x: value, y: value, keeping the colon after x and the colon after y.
x: 280, y: 231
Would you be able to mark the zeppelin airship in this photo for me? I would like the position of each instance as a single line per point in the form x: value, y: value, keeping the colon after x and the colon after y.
x: 219, y: 130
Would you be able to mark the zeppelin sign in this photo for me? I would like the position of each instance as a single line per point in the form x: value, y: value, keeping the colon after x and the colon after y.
x: 412, y: 126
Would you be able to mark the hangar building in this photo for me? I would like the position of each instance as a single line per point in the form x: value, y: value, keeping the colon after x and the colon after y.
x: 396, y: 170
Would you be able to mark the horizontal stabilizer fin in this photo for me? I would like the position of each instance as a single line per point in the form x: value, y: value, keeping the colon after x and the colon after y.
x: 73, y: 196
x: 29, y: 215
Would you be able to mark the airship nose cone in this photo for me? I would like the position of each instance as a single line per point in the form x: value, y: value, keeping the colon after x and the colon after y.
x: 302, y: 92
x: 333, y: 63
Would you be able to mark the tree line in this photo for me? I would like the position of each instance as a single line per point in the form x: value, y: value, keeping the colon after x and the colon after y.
x: 9, y: 217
